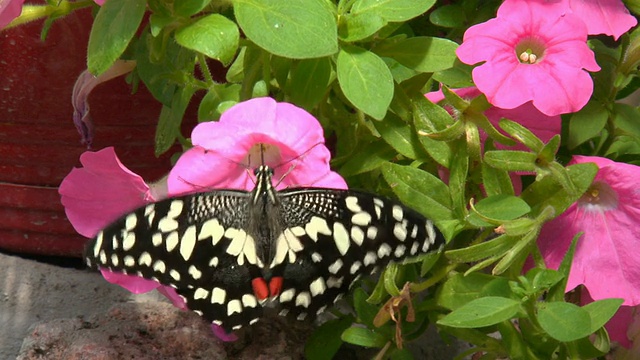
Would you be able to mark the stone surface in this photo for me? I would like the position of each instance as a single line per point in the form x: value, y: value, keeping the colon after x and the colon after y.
x: 49, y: 312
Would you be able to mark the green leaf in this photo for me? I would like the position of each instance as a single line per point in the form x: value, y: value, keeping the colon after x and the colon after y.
x: 556, y: 293
x: 458, y: 172
x: 114, y: 27
x: 586, y: 123
x: 218, y: 99
x: 502, y: 207
x: 448, y: 16
x: 363, y: 337
x: 419, y: 190
x: 365, y: 80
x: 399, y: 135
x: 460, y: 289
x: 494, y: 247
x: 368, y: 157
x: 421, y: 53
x: 162, y: 77
x: 564, y: 321
x: 496, y: 181
x: 287, y: 28
x: 548, y: 192
x: 354, y: 27
x: 485, y: 311
x: 458, y: 76
x: 522, y: 134
x: 393, y: 10
x: 213, y: 35
x: 365, y: 311
x: 602, y: 311
x: 309, y: 82
x: 189, y: 8
x: 626, y: 119
x: 170, y: 119
x: 326, y: 340
x: 511, y: 160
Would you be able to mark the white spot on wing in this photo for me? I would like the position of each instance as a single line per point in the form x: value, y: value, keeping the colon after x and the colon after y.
x: 336, y: 266
x: 98, y: 244
x: 362, y: 218
x: 352, y: 204
x: 397, y: 213
x: 211, y: 229
x: 400, y: 250
x: 400, y: 231
x: 249, y: 300
x: 355, y: 267
x: 129, y: 261
x: 303, y: 299
x: 384, y: 250
x: 194, y: 272
x: 317, y: 286
x: 144, y: 259
x: 130, y: 221
x: 200, y: 294
x: 315, y: 226
x: 172, y: 241
x: 287, y: 295
x: 188, y: 242
x: 156, y: 239
x: 341, y: 238
x: 372, y: 232
x: 357, y: 235
x: 234, y: 306
x: 218, y: 296
x: 159, y: 266
x: 370, y: 258
x: 174, y: 274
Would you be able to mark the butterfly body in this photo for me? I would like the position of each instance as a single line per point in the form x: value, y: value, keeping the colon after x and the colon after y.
x: 227, y: 252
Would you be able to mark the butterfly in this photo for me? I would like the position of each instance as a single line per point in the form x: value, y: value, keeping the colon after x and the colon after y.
x: 229, y: 252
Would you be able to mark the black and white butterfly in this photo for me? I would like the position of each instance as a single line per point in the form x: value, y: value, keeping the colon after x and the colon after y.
x: 227, y: 252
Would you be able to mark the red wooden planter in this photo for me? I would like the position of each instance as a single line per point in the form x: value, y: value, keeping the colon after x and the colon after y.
x: 39, y: 143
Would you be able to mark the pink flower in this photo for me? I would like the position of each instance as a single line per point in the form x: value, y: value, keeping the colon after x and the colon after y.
x: 531, y: 52
x: 608, y: 213
x: 223, y: 152
x: 608, y: 17
x: 9, y: 10
x: 543, y: 126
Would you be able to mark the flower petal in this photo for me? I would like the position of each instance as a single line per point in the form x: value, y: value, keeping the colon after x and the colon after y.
x: 609, y: 17
x: 101, y: 191
x: 135, y: 284
x: 605, y: 260
x: 225, y: 151
x: 9, y: 10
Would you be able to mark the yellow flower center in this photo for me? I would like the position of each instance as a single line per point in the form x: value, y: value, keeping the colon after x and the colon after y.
x: 530, y: 51
x: 599, y: 197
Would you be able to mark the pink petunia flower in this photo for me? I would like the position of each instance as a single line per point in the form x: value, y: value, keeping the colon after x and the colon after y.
x: 532, y: 51
x: 608, y: 17
x: 223, y: 153
x: 292, y: 138
x: 543, y: 126
x: 608, y: 214
x: 9, y: 10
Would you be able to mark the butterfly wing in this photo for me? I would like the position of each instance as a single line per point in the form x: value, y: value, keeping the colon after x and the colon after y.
x: 343, y: 234
x: 196, y: 244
